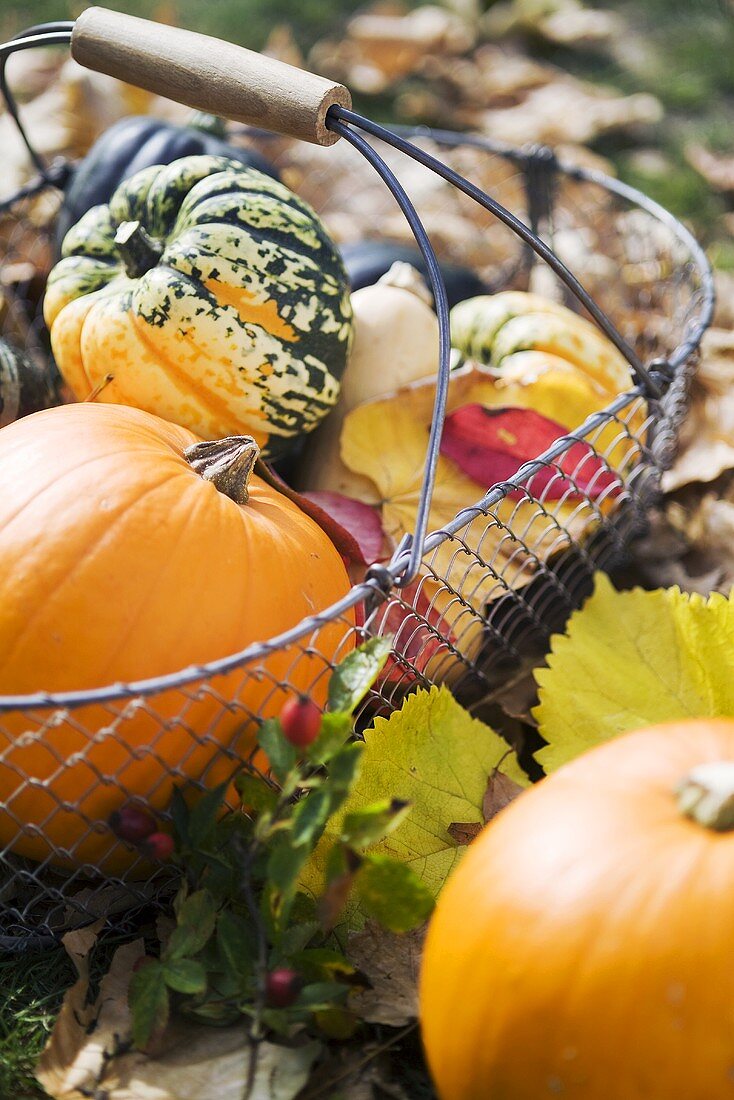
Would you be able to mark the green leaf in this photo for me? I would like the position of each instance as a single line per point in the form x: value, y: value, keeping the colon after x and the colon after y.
x: 317, y: 963
x: 310, y: 817
x: 285, y: 864
x: 322, y: 993
x: 180, y: 817
x: 203, y: 815
x: 297, y: 937
x: 196, y: 918
x: 354, y: 677
x: 391, y: 893
x: 344, y: 766
x: 280, y: 753
x: 235, y: 941
x: 633, y: 659
x: 364, y: 827
x: 433, y: 754
x: 335, y: 730
x: 255, y: 794
x: 149, y: 1003
x: 185, y: 975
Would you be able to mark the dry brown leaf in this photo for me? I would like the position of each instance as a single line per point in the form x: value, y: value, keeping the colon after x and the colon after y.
x: 566, y: 22
x: 706, y: 447
x: 501, y: 791
x: 86, y: 1036
x: 678, y: 549
x: 391, y: 963
x: 464, y: 832
x: 379, y: 48
x: 716, y: 168
x: 724, y: 309
x: 566, y: 110
x: 88, y: 1053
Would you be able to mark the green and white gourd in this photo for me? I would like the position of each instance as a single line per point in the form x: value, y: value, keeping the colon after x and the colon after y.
x: 208, y: 293
x: 24, y: 387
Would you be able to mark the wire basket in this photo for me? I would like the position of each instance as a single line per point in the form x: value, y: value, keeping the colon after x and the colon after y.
x: 467, y: 605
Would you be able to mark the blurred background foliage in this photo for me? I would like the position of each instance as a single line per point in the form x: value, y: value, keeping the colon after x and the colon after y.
x: 679, y: 50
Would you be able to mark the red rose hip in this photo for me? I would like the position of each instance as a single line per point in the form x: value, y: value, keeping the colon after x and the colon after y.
x: 159, y: 846
x: 300, y: 719
x: 133, y: 823
x: 282, y: 987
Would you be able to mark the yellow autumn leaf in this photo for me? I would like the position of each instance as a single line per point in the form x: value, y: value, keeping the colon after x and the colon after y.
x: 633, y: 659
x: 386, y: 441
x: 433, y: 754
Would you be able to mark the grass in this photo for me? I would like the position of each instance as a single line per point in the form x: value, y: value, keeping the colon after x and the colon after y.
x: 247, y: 22
x: 31, y: 990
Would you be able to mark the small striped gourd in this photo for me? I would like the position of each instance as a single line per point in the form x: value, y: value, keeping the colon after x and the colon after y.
x: 24, y: 388
x: 513, y: 328
x: 209, y: 294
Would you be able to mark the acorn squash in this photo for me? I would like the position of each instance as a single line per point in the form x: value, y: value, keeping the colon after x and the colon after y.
x: 206, y: 293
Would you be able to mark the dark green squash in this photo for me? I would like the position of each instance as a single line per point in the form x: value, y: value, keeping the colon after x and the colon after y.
x: 367, y: 261
x: 138, y: 142
x: 24, y: 387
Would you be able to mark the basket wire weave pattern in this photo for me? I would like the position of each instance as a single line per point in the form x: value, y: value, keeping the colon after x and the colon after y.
x: 465, y: 604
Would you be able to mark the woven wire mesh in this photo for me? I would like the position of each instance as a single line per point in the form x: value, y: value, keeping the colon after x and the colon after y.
x: 495, y: 582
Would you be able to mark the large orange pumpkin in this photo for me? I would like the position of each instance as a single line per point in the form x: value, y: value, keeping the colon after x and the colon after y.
x: 583, y: 948
x: 120, y: 560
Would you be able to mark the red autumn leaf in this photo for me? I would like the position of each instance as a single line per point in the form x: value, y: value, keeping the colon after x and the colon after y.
x: 414, y: 642
x: 491, y: 444
x: 359, y: 519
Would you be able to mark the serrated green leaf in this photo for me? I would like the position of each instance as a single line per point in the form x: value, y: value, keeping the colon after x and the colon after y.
x: 196, y: 919
x: 633, y: 659
x: 280, y: 753
x: 149, y: 1003
x: 433, y: 754
x: 354, y: 677
x: 310, y: 817
x: 184, y: 975
x: 255, y: 794
x: 372, y: 823
x: 203, y: 815
x: 391, y: 893
x: 335, y: 730
x: 235, y: 943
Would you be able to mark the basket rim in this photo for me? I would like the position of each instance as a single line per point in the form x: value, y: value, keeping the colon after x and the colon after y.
x: 369, y: 587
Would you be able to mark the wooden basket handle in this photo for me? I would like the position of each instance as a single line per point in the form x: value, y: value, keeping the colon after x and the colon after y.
x: 208, y: 74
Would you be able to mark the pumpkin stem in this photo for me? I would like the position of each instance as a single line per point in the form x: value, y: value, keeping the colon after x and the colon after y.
x: 139, y: 252
x: 227, y: 463
x: 706, y: 795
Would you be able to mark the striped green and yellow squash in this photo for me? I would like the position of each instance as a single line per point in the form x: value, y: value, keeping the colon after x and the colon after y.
x: 209, y: 294
x: 495, y: 329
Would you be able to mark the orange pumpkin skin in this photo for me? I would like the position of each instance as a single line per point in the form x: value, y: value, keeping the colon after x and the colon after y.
x: 583, y: 948
x: 119, y: 562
